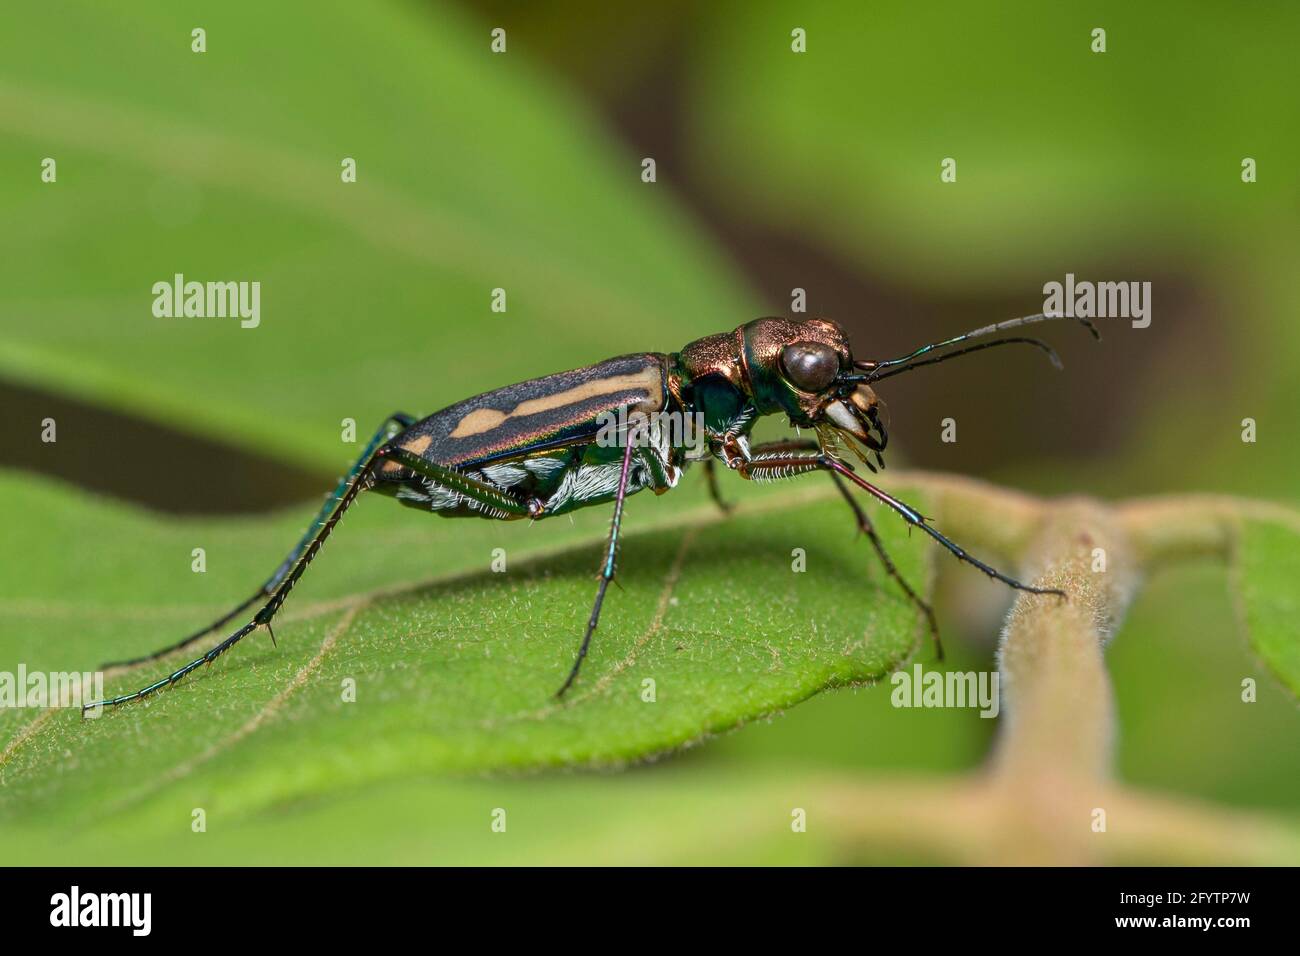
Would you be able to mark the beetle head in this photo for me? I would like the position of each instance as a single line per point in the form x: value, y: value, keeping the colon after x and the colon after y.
x: 805, y: 369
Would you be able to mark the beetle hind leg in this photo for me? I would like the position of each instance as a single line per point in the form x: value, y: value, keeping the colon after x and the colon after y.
x: 489, y: 500
x: 269, y: 586
x: 278, y: 586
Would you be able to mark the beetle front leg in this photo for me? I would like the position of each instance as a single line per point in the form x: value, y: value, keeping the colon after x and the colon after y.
x: 864, y: 526
x: 777, y: 466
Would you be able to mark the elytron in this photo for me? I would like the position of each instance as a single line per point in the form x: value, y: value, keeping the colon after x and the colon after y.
x: 531, y: 450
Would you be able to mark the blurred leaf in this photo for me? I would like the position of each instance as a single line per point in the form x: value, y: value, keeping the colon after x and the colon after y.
x: 1061, y: 153
x: 474, y: 173
x: 647, y: 817
x: 1267, y: 569
x: 453, y: 673
x: 1177, y: 667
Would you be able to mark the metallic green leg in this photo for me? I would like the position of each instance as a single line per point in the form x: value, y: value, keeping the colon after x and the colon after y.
x: 287, y: 575
x: 381, y: 435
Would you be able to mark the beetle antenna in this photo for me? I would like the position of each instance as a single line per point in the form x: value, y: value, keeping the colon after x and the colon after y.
x: 1052, y: 356
x: 877, y: 370
x: 875, y: 376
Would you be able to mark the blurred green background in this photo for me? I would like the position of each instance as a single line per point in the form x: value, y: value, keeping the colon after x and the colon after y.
x: 775, y: 171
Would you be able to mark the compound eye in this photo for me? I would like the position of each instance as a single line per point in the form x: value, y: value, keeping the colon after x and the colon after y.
x: 810, y: 366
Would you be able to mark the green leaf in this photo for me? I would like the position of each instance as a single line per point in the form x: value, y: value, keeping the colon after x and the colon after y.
x: 475, y: 172
x: 453, y: 673
x: 1266, y: 569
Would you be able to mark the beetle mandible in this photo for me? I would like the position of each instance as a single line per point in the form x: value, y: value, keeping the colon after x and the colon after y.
x: 533, y: 450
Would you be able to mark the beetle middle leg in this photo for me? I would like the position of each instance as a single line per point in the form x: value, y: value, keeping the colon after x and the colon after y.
x: 607, y: 567
x: 715, y: 492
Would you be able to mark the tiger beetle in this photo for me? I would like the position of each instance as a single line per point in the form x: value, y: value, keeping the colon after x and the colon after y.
x: 532, y: 450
